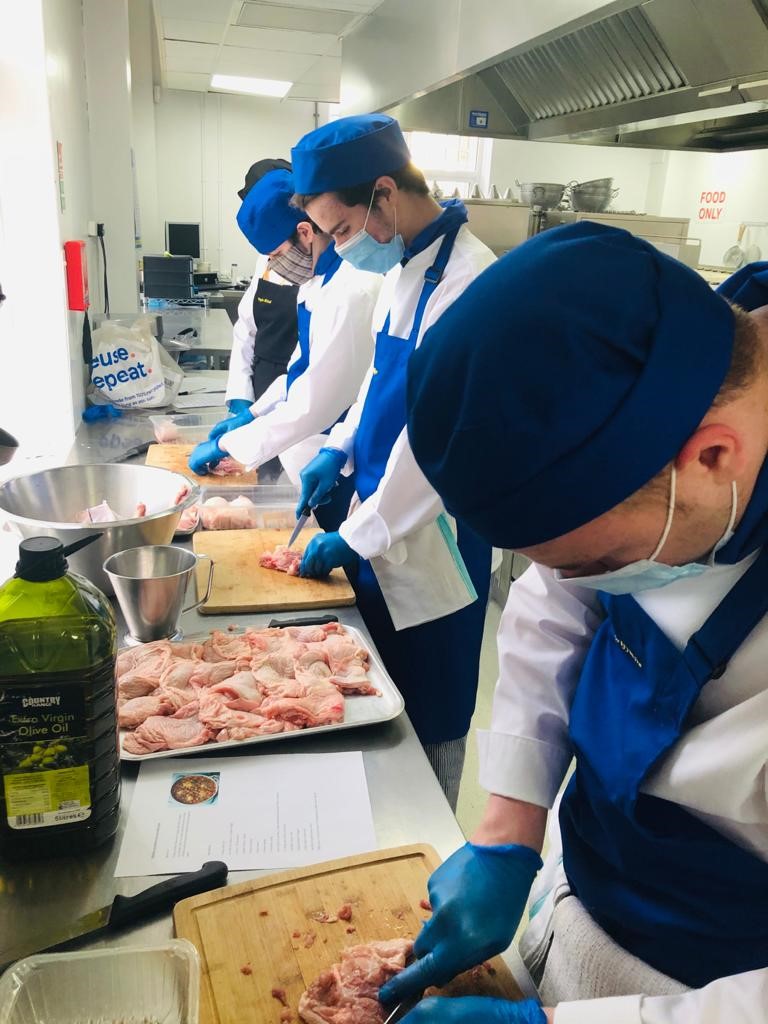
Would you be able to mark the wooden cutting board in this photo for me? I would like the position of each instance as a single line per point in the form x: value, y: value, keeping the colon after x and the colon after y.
x: 241, y: 585
x: 261, y: 934
x: 176, y: 456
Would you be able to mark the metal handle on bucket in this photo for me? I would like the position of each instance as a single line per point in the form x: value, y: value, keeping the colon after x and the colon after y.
x: 208, y: 588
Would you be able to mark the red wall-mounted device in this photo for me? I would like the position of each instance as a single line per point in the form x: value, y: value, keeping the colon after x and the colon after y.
x: 77, y: 275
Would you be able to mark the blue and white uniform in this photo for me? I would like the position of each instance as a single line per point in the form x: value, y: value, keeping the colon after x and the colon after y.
x: 325, y: 372
x: 656, y: 879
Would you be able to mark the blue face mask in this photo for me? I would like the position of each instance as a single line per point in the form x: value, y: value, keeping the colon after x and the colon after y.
x: 365, y: 253
x: 647, y: 573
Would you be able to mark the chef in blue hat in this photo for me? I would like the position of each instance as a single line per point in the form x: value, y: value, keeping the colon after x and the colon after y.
x: 616, y: 434
x: 421, y: 580
x: 265, y: 333
x: 328, y: 363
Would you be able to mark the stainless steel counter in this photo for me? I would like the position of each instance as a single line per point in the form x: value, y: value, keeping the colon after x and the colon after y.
x: 408, y: 806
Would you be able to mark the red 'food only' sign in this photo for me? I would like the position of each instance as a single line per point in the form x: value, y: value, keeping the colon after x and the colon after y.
x: 711, y: 205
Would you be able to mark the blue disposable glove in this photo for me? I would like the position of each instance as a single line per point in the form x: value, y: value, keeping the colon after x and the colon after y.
x: 238, y: 405
x: 318, y: 478
x: 205, y: 456
x: 475, y: 1010
x: 324, y: 552
x: 478, y: 896
x: 239, y: 419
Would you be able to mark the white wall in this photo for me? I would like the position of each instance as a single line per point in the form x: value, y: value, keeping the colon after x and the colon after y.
x: 150, y: 236
x: 108, y: 72
x: 65, y: 66
x: 637, y: 173
x: 742, y: 176
x: 205, y: 143
x: 40, y: 343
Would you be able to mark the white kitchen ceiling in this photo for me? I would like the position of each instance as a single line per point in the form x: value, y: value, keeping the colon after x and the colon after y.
x: 292, y: 40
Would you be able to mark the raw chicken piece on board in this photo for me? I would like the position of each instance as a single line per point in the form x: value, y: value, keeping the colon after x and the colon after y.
x: 283, y: 559
x: 348, y: 992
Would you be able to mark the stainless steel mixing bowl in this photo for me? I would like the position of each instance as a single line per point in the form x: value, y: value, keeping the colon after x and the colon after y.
x: 46, y: 503
x: 545, y: 194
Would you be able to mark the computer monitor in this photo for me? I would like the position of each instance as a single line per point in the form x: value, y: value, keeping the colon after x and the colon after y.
x: 182, y: 239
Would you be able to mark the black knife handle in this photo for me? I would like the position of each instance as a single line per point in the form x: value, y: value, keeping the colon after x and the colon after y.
x: 129, y: 909
x: 305, y: 620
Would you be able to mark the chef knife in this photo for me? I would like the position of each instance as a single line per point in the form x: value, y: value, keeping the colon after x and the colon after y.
x: 400, y: 1009
x: 301, y: 522
x: 124, y: 911
x: 130, y: 453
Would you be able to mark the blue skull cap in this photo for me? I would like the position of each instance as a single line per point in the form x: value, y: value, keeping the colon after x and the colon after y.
x: 347, y: 152
x: 266, y: 217
x: 564, y: 378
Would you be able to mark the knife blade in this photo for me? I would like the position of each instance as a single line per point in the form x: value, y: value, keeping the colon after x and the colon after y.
x: 301, y: 522
x: 123, y: 911
x: 401, y: 1009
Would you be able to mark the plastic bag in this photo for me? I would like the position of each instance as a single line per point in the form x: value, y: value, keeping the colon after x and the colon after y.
x: 130, y: 369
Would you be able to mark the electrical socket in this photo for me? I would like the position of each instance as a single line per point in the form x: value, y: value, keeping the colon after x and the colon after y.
x: 91, y: 228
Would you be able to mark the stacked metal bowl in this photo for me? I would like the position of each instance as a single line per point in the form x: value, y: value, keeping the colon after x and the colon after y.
x: 592, y: 196
x: 544, y: 194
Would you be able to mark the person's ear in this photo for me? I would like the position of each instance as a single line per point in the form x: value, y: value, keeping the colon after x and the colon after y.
x: 305, y: 233
x: 715, y: 451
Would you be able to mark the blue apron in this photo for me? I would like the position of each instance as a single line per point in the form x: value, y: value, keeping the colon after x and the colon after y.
x: 327, y: 265
x: 435, y: 666
x: 331, y: 515
x: 668, y: 888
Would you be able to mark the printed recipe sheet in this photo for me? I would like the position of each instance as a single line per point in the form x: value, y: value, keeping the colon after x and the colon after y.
x: 266, y: 811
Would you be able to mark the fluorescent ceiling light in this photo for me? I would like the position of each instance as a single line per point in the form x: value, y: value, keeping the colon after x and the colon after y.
x: 715, y: 90
x: 254, y: 86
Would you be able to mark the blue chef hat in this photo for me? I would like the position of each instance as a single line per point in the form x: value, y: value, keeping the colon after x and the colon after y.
x: 348, y: 152
x: 563, y: 379
x: 748, y: 286
x: 266, y: 217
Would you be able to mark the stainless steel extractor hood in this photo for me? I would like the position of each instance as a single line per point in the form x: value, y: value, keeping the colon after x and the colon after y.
x: 676, y: 74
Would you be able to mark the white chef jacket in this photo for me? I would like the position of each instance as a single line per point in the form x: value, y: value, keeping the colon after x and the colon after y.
x: 340, y: 352
x: 404, y: 501
x: 239, y: 384
x: 717, y: 770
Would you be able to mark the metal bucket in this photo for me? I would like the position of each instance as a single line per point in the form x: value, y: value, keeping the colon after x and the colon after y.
x: 150, y: 584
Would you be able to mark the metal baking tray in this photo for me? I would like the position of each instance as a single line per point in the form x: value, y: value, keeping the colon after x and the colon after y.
x: 358, y: 711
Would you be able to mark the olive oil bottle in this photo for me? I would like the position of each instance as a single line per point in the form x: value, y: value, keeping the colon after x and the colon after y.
x: 59, y: 758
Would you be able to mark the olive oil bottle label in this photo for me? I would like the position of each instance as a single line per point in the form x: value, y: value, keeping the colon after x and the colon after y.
x: 44, y: 755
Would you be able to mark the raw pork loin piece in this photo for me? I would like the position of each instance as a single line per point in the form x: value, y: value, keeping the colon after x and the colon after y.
x: 283, y: 559
x: 348, y: 992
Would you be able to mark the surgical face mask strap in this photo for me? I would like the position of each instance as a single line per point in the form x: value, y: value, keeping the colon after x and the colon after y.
x: 670, y: 516
x: 368, y: 213
x: 731, y: 523
x: 370, y: 207
x: 671, y: 512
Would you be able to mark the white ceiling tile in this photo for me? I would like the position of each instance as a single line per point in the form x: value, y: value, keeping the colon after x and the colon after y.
x: 352, y: 6
x: 196, y: 10
x: 285, y: 40
x: 187, y: 80
x: 259, y: 15
x: 193, y: 31
x: 314, y: 93
x: 236, y: 60
x: 325, y: 70
x: 197, y: 57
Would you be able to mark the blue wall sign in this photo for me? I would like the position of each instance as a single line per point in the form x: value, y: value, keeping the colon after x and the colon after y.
x: 478, y: 119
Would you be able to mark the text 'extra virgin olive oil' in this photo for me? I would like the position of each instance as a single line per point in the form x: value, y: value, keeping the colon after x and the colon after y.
x: 59, y: 757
